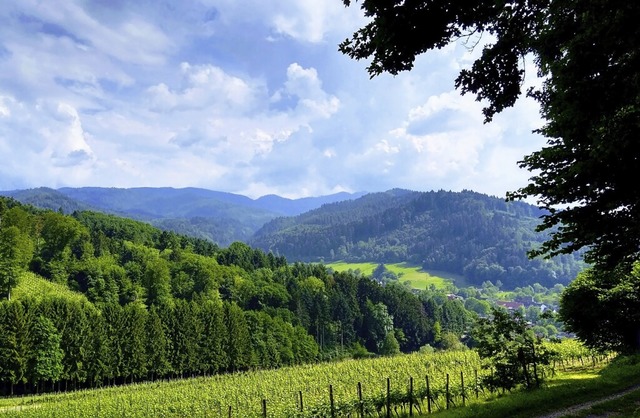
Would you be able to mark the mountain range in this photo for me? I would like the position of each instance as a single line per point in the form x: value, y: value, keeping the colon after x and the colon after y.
x: 217, y: 216
x: 465, y: 233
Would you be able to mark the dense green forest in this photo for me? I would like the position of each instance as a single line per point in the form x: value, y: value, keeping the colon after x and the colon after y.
x: 470, y: 234
x: 157, y: 304
x: 467, y: 233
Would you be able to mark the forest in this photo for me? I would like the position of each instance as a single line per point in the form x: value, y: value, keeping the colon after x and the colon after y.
x: 466, y: 233
x: 153, y: 304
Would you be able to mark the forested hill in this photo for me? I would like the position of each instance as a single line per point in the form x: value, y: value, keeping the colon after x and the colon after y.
x: 466, y: 233
x: 152, y: 303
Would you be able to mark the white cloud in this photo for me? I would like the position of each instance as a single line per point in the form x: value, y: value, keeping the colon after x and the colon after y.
x: 131, y: 39
x: 5, y: 103
x: 206, y: 86
x: 308, y: 21
x: 248, y: 96
x: 304, y: 85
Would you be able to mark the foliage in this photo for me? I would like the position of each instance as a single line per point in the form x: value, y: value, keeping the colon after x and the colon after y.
x: 129, y: 303
x: 612, y: 320
x: 46, y: 362
x: 591, y: 100
x: 515, y: 355
x: 15, y: 253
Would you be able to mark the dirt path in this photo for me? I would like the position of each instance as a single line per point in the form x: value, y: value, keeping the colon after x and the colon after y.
x: 587, y: 405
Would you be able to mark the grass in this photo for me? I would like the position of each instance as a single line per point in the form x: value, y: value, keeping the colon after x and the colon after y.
x: 417, y: 278
x: 626, y: 406
x: 567, y: 389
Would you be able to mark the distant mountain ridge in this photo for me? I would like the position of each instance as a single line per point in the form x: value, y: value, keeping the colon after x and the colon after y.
x: 466, y: 233
x: 218, y: 216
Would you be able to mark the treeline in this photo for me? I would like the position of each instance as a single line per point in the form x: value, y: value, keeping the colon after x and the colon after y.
x: 163, y: 305
x: 73, y: 344
x: 467, y: 233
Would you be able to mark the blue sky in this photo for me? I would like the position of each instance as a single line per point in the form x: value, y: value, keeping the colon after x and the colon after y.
x: 243, y: 96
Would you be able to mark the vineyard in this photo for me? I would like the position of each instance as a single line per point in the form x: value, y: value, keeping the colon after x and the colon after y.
x: 416, y: 383
x: 32, y: 286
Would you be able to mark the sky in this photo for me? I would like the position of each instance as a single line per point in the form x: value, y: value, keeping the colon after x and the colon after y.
x: 243, y: 96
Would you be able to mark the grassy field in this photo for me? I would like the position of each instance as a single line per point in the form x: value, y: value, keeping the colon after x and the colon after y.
x: 417, y: 278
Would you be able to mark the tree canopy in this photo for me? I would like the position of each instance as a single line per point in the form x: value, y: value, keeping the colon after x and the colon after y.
x: 587, y: 54
x: 97, y: 299
x: 602, y: 309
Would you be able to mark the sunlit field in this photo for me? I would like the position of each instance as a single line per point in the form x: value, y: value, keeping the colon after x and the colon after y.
x: 417, y: 278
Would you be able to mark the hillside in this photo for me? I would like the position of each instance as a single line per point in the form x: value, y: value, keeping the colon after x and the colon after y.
x: 466, y: 233
x: 114, y: 300
x: 469, y: 234
x: 220, y: 217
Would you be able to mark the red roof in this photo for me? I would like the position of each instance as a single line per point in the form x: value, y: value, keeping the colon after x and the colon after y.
x: 510, y: 305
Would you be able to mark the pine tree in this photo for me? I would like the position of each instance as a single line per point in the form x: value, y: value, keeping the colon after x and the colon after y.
x: 238, y: 343
x: 157, y: 345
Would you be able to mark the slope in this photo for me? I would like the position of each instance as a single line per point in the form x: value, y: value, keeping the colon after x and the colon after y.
x: 467, y: 233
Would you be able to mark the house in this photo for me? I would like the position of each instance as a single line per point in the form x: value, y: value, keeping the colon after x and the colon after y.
x: 511, y: 306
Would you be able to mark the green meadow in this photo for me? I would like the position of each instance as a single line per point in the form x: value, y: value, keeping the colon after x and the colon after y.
x: 417, y: 278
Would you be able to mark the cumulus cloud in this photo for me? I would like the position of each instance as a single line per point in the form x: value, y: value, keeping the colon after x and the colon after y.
x: 207, y: 86
x: 245, y: 96
x: 41, y: 142
x: 305, y: 88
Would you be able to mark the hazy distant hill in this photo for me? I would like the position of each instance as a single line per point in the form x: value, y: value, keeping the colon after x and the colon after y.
x: 467, y: 233
x: 46, y: 198
x: 218, y: 216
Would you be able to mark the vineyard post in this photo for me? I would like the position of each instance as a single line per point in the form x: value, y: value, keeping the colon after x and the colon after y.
x: 428, y: 395
x: 331, y: 400
x: 301, y: 403
x: 388, y: 397
x: 264, y: 408
x: 360, y: 400
x: 410, y: 396
x: 462, y: 383
x: 447, y: 390
x: 476, y: 374
x: 229, y: 411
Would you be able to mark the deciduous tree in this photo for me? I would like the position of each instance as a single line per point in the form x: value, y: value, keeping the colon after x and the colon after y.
x: 15, y: 252
x: 587, y: 54
x: 602, y: 308
x: 513, y: 353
